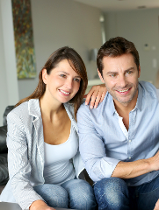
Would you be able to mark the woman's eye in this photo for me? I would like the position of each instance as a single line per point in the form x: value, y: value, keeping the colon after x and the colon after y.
x: 77, y: 79
x: 62, y: 75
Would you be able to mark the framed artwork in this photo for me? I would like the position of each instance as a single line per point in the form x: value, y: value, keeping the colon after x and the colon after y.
x: 23, y: 35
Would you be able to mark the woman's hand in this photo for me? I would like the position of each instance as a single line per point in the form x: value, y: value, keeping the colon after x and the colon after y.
x: 157, y: 205
x: 95, y: 95
x: 40, y: 205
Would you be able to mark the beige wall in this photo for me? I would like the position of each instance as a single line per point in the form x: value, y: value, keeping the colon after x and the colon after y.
x: 9, y: 94
x: 64, y: 22
x: 58, y: 23
x: 140, y: 27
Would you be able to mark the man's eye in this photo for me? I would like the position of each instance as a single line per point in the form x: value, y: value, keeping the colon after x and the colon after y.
x: 113, y: 75
x: 129, y: 72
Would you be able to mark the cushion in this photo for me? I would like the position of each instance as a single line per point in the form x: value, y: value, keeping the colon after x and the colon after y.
x: 3, y: 133
x: 4, y: 176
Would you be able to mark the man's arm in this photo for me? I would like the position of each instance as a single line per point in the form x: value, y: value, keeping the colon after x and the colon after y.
x: 127, y: 170
x: 92, y: 147
x: 93, y: 152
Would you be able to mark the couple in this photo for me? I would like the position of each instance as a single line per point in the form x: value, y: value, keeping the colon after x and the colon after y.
x: 118, y: 140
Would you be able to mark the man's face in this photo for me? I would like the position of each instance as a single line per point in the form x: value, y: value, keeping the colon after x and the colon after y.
x: 120, y: 75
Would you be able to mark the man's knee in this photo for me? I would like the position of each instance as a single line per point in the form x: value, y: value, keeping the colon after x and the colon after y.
x: 111, y: 192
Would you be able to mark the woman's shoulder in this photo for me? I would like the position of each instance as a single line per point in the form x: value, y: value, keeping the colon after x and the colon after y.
x: 23, y: 110
x: 18, y: 109
x: 69, y: 107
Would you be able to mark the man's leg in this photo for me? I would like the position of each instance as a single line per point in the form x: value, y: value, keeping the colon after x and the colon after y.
x: 112, y: 193
x: 148, y: 194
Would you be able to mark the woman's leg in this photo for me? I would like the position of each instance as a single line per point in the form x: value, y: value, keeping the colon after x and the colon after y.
x: 112, y: 193
x: 54, y: 195
x: 80, y: 194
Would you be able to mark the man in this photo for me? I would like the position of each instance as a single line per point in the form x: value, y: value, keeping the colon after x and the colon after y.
x: 119, y: 140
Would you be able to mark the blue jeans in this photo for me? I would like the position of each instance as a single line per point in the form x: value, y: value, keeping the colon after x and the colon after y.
x: 75, y: 194
x: 114, y: 194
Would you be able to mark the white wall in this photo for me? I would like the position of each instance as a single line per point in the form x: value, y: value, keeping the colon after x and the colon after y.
x: 58, y: 23
x: 8, y: 81
x: 140, y: 27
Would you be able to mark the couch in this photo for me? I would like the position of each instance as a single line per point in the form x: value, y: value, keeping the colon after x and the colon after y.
x: 3, y: 150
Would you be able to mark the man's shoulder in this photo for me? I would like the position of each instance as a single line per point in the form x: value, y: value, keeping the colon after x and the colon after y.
x: 104, y: 105
x: 149, y: 89
x: 83, y: 107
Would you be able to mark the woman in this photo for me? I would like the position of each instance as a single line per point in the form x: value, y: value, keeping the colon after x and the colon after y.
x: 43, y: 158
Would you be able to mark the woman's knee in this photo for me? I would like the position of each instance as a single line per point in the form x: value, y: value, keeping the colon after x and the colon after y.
x: 54, y: 195
x: 81, y: 194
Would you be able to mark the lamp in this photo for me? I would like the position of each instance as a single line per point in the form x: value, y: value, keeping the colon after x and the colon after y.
x: 93, y: 54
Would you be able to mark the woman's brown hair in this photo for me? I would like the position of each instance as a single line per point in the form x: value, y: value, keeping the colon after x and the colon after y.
x: 78, y: 66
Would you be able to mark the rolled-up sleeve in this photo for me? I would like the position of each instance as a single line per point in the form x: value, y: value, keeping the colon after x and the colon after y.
x: 92, y: 146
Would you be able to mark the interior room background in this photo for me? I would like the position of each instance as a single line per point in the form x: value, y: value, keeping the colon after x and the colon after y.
x: 58, y: 23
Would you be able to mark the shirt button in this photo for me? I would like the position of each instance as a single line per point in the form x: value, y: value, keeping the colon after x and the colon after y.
x: 129, y: 158
x: 129, y: 141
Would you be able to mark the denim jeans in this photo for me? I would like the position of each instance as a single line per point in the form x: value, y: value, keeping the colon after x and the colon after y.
x: 114, y: 194
x: 75, y: 194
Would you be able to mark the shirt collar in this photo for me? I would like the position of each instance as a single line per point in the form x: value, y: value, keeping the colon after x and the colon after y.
x: 139, y: 98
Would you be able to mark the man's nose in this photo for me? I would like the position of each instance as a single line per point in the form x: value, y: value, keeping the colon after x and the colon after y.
x: 122, y: 81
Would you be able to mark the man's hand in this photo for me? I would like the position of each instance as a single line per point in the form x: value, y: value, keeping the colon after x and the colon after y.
x: 154, y: 162
x: 96, y: 95
x: 157, y: 205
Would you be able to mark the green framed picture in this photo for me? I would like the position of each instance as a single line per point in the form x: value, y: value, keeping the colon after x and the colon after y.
x: 23, y: 35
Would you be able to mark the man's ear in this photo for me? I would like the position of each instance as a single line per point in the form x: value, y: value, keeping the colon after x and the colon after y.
x: 44, y: 76
x: 139, y: 71
x: 100, y: 76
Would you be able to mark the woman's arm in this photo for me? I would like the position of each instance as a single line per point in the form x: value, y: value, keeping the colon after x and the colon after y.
x: 18, y: 163
x: 40, y: 205
x: 95, y: 95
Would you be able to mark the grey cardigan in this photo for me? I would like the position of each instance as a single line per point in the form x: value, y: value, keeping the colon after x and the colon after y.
x: 25, y: 143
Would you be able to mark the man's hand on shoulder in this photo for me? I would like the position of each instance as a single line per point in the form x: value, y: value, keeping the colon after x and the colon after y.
x: 95, y: 95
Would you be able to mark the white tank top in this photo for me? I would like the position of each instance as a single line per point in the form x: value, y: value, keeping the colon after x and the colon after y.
x: 58, y: 166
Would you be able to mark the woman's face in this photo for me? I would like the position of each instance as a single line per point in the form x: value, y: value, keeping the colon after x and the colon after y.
x: 62, y: 83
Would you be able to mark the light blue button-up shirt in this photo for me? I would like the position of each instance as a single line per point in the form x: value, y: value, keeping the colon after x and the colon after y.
x: 104, y: 140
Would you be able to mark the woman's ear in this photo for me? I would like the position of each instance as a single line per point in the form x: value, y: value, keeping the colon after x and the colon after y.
x: 100, y: 76
x: 44, y: 76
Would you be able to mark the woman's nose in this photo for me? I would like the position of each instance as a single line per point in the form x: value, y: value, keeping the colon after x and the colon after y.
x: 69, y: 83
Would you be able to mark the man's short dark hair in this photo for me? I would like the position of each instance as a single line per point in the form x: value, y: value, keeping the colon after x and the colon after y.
x: 115, y: 47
